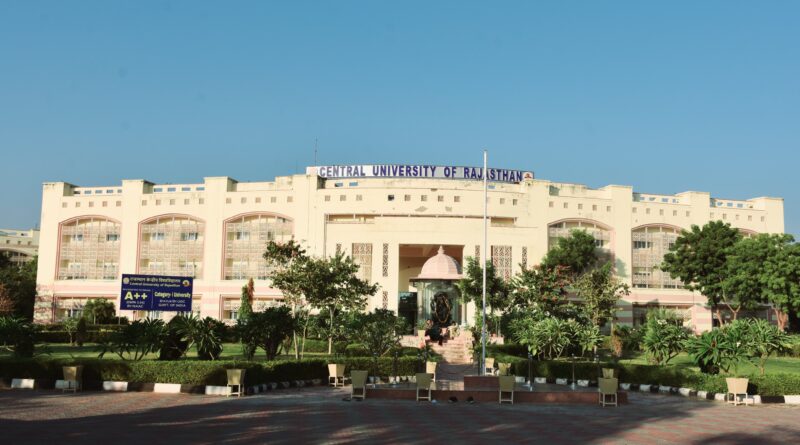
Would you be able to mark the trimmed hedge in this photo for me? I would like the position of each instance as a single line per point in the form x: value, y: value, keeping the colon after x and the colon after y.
x: 776, y: 384
x: 197, y: 372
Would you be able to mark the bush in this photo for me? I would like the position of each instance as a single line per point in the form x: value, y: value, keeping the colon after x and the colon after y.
x: 17, y: 335
x: 664, y: 336
x: 356, y: 350
x: 188, y: 372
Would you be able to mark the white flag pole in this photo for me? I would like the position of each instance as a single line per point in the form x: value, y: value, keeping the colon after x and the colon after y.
x: 483, y: 259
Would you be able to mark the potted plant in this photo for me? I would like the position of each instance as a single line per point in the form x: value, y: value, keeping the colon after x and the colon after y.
x: 421, y: 325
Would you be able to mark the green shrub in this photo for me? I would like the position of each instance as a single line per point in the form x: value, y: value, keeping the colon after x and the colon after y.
x: 189, y: 372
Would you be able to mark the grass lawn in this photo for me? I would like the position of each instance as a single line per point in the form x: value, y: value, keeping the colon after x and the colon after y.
x: 90, y: 350
x: 788, y: 365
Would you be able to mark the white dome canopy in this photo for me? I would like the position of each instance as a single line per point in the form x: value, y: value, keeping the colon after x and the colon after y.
x: 440, y: 267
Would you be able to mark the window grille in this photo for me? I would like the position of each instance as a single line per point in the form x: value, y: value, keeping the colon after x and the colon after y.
x: 89, y: 250
x: 501, y: 260
x: 362, y: 256
x: 246, y: 238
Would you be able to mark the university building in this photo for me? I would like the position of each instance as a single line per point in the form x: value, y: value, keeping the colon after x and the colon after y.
x: 20, y: 246
x: 390, y: 219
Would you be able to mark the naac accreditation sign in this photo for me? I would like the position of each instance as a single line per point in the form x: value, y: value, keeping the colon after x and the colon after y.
x: 156, y: 293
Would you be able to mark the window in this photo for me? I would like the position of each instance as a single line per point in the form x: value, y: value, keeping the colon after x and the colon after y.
x: 109, y: 191
x: 171, y: 189
x: 594, y: 208
x: 342, y: 197
x: 189, y: 236
x: 338, y: 184
x: 440, y: 198
x: 201, y: 201
x: 243, y: 200
x: 158, y: 202
x: 258, y: 200
x: 96, y: 244
x: 551, y: 204
x: 688, y: 213
x: 289, y: 199
x: 407, y: 198
x: 661, y: 212
x: 749, y: 217
x: 111, y: 237
x: 227, y: 200
x: 362, y: 256
x: 390, y: 197
x: 63, y: 205
x: 353, y: 184
x: 513, y: 202
x: 599, y: 243
x: 580, y: 206
x: 647, y: 211
x: 359, y: 198
x: 327, y: 198
x: 724, y: 216
x: 642, y: 244
x: 158, y: 236
x: 566, y: 205
x: 273, y: 199
x: 186, y: 189
x: 634, y: 210
x: 200, y: 188
x: 105, y: 204
x: 77, y: 238
x: 144, y: 203
x: 77, y: 204
x: 502, y: 201
x: 186, y: 202
x: 674, y: 213
x: 608, y: 208
x: 172, y: 202
x: 157, y: 190
x: 242, y: 236
x: 456, y: 199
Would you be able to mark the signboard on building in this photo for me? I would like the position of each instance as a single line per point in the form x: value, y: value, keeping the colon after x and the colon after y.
x: 418, y: 171
x: 156, y: 293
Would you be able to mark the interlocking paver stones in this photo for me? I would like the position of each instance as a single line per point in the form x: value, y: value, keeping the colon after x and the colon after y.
x: 318, y: 415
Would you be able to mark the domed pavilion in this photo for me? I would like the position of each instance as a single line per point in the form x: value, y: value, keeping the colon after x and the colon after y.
x: 438, y: 298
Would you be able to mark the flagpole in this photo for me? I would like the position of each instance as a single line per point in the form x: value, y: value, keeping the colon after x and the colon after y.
x: 483, y: 260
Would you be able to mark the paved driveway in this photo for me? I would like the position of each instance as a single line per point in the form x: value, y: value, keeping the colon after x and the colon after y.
x: 318, y: 415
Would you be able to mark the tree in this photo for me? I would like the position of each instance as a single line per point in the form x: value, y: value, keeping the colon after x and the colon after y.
x: 287, y: 261
x: 471, y: 287
x: 700, y: 259
x: 99, y: 311
x: 540, y: 287
x: 19, y: 286
x: 664, y: 336
x: 70, y: 325
x: 246, y: 305
x: 270, y: 328
x: 380, y: 331
x: 331, y: 285
x: 781, y: 280
x: 578, y: 252
x: 600, y: 290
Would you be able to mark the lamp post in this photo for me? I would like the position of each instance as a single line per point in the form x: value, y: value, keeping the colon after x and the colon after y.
x: 530, y: 371
x: 574, y: 385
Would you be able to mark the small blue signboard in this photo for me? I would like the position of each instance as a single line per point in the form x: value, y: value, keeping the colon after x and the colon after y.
x: 156, y: 293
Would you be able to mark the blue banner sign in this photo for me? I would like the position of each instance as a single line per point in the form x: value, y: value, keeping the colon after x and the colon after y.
x: 418, y: 171
x: 156, y: 293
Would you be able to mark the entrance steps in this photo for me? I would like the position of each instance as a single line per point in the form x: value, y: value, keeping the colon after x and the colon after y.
x: 456, y: 350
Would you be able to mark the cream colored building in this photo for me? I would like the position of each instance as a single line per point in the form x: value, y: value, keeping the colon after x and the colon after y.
x: 19, y: 245
x: 216, y: 232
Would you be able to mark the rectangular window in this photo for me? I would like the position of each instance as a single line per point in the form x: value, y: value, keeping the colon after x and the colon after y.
x: 608, y: 208
x: 63, y: 205
x: 580, y: 206
x: 440, y: 198
x: 501, y: 260
x: 642, y: 244
x: 105, y: 203
x: 273, y: 199
x: 634, y: 210
x: 172, y: 202
x: 157, y: 190
x: 158, y: 236
x: 189, y: 236
x: 423, y: 198
x: 359, y: 198
x: 111, y: 237
x: 338, y: 184
x: 186, y: 189
x: 77, y: 238
x: 456, y: 199
x: 362, y: 256
x: 551, y: 204
x: 353, y: 184
x: 327, y: 198
x: 227, y: 200
x: 243, y: 200
x: 242, y: 236
x: 342, y: 198
x: 201, y: 201
x: 407, y: 198
x: 390, y: 197
x: 186, y: 202
x: 91, y: 203
x: 566, y: 205
x: 661, y: 212
x: 258, y: 200
x: 289, y: 199
x: 513, y: 202
x: 144, y: 203
x: 200, y: 188
x: 502, y: 200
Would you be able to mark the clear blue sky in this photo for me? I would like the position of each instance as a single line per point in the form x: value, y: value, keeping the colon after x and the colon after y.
x: 663, y: 96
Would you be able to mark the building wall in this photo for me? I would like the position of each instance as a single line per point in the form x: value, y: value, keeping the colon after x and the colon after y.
x: 19, y: 245
x: 378, y: 211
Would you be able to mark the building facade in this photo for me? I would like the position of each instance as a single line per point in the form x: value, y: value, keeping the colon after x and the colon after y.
x: 20, y: 246
x: 390, y: 223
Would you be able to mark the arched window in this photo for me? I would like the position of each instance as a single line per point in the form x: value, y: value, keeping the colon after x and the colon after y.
x: 650, y: 244
x: 562, y: 229
x: 246, y: 238
x: 89, y: 249
x: 171, y: 245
